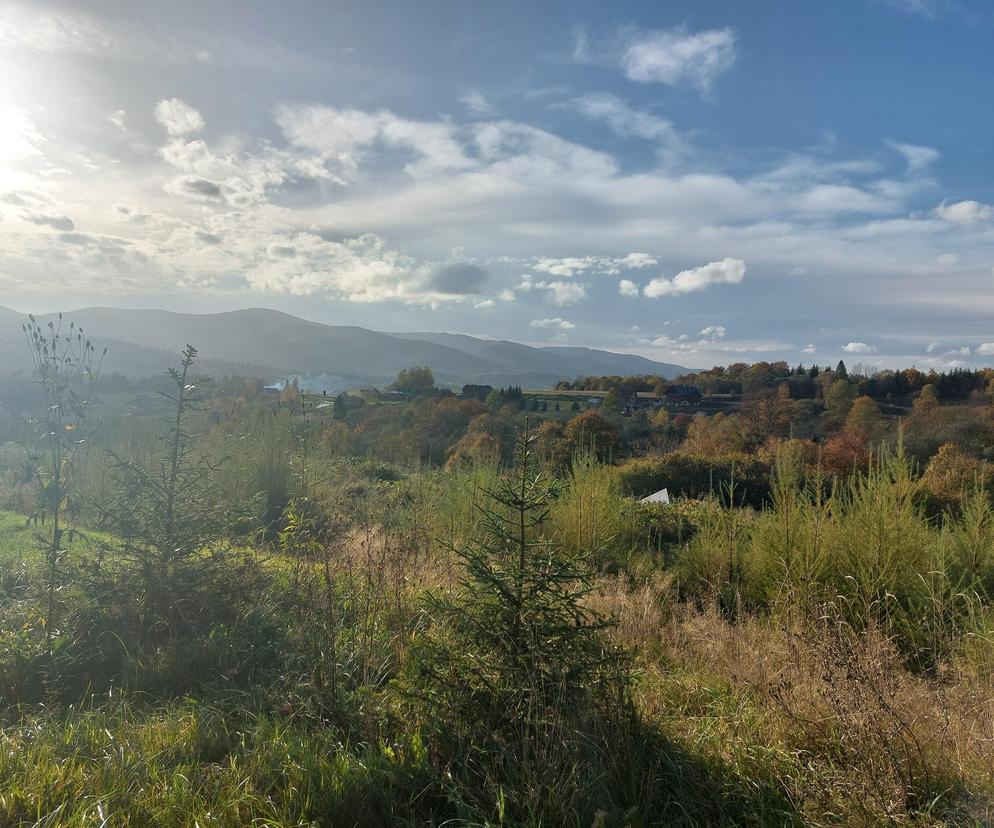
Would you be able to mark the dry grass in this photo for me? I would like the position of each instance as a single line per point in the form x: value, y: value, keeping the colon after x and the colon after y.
x: 849, y: 734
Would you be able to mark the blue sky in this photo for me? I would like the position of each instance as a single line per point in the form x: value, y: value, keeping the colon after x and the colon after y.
x: 701, y: 182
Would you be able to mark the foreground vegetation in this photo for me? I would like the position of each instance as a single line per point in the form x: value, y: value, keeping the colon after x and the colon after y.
x: 248, y: 613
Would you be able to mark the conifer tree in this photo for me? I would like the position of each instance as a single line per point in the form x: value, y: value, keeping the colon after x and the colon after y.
x: 165, y: 514
x: 520, y: 650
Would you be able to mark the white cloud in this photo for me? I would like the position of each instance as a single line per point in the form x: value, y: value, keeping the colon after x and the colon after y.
x: 858, y: 348
x: 627, y: 122
x: 626, y: 287
x: 985, y: 349
x: 117, y: 118
x: 513, y: 196
x: 569, y: 266
x: 342, y: 135
x: 675, y: 57
x: 556, y: 322
x: 713, y: 332
x: 116, y: 38
x: 933, y: 345
x: 917, y: 157
x: 924, y: 8
x: 725, y: 272
x: 21, y: 138
x: 178, y: 117
x: 637, y: 261
x: 947, y: 259
x: 361, y: 269
x: 808, y: 349
x: 52, y: 31
x: 964, y: 212
x: 477, y: 104
x: 664, y: 342
x: 332, y: 132
x: 563, y: 293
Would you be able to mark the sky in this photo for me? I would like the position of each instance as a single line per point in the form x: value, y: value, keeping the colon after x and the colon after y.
x: 698, y: 181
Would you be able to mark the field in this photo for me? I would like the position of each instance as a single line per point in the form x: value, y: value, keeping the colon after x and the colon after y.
x: 230, y: 607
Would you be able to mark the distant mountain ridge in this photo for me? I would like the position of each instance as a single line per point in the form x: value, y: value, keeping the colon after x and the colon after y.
x: 568, y: 362
x: 272, y: 344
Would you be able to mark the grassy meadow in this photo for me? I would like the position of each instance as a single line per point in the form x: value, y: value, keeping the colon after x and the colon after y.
x: 221, y: 609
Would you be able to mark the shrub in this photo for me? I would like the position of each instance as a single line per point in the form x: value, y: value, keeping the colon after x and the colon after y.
x: 693, y: 477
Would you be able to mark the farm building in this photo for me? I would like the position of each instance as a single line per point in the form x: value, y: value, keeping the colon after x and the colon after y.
x: 476, y: 392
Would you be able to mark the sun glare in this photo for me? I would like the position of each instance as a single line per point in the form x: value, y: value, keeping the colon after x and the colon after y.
x: 18, y: 142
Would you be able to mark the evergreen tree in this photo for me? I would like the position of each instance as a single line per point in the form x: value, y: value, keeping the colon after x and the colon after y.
x: 520, y: 648
x: 166, y: 514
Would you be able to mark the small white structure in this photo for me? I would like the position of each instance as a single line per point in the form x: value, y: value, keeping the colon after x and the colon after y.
x: 662, y: 496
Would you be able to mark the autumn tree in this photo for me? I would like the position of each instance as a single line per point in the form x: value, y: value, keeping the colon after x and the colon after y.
x: 951, y: 474
x: 839, y: 397
x: 416, y: 380
x: 864, y: 419
x: 845, y: 453
x: 590, y: 430
x: 769, y: 414
x: 290, y: 394
x: 715, y: 436
x: 927, y: 400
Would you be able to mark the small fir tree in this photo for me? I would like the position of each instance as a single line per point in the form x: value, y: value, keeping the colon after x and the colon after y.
x: 518, y: 652
x: 168, y: 513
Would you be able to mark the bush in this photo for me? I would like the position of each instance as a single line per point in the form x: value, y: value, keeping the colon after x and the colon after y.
x: 693, y: 477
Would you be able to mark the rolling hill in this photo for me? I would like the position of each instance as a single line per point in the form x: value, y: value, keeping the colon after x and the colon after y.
x: 271, y: 344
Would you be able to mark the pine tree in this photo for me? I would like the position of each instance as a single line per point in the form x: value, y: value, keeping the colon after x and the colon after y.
x: 519, y: 649
x: 165, y: 515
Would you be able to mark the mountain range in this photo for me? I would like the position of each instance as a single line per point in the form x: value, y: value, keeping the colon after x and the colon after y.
x: 272, y: 345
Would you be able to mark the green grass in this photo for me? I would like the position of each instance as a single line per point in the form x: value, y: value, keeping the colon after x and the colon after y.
x: 188, y: 763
